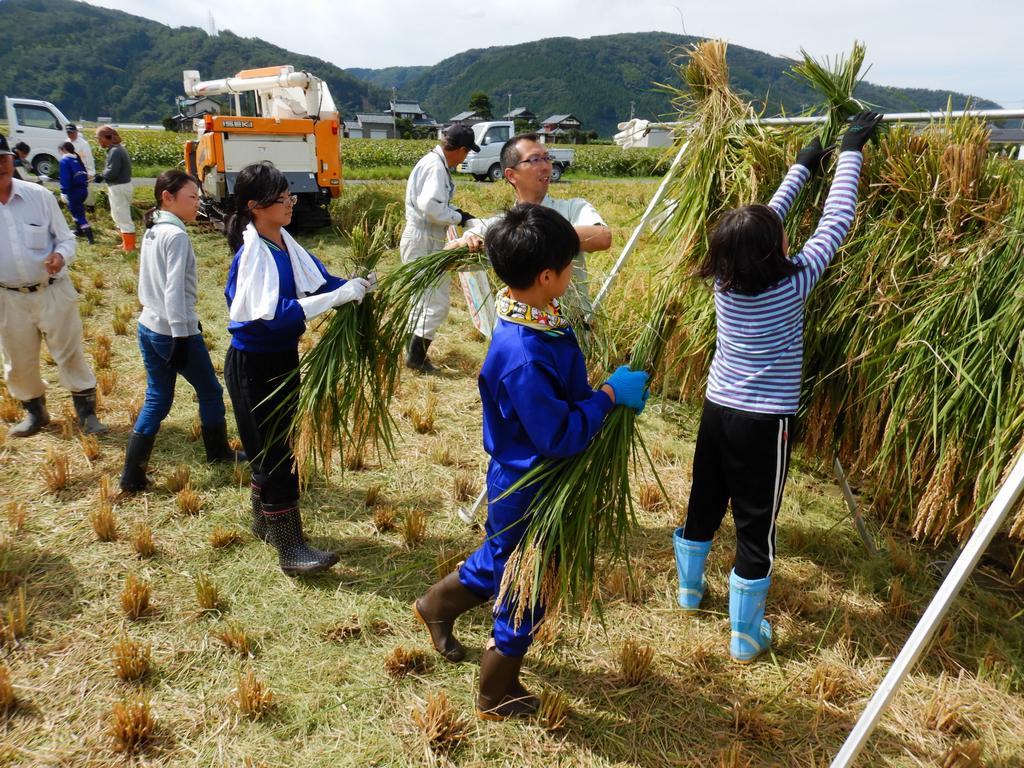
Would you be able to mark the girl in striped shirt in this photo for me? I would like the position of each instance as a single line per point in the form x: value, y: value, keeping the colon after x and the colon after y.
x: 743, y: 448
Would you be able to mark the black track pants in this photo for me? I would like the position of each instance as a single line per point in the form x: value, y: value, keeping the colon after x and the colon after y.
x: 252, y: 380
x: 741, y: 457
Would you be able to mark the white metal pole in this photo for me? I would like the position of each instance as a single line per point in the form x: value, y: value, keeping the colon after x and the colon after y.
x: 933, y: 615
x: 628, y: 249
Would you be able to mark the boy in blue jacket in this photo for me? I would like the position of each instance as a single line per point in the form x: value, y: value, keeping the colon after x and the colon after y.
x: 537, y: 404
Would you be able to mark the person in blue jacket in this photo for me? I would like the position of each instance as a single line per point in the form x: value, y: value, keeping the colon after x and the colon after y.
x: 274, y: 286
x: 74, y: 186
x: 537, y: 404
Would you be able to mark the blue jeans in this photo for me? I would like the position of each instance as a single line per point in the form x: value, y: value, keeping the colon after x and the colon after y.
x: 160, y: 380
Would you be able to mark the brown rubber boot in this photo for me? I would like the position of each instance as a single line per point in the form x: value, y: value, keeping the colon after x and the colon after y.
x: 439, y: 607
x: 501, y: 694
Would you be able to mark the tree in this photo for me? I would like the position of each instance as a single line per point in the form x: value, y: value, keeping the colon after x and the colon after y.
x: 480, y: 103
x: 403, y: 128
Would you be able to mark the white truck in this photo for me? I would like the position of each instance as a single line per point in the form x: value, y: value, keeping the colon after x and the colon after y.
x: 490, y: 136
x: 40, y: 125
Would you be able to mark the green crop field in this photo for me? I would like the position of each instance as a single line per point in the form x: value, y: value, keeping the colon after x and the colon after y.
x: 350, y: 673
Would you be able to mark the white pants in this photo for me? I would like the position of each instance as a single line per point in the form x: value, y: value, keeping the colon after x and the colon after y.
x: 432, y: 309
x: 25, y: 318
x: 121, y: 206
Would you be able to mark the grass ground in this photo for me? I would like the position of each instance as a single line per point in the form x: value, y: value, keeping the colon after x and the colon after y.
x: 324, y: 646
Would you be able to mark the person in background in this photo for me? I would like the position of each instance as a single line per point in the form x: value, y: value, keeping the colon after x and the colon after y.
x: 170, y: 335
x: 428, y: 214
x: 37, y: 301
x: 118, y: 176
x: 74, y: 186
x: 22, y: 167
x: 526, y: 165
x: 274, y: 286
x: 85, y: 153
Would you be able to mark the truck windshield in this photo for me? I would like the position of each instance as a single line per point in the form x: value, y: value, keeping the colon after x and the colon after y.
x: 36, y: 117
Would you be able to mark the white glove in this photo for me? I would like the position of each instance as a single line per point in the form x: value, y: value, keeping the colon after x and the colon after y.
x: 353, y: 290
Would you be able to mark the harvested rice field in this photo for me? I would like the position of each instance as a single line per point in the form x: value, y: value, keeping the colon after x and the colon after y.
x: 156, y: 631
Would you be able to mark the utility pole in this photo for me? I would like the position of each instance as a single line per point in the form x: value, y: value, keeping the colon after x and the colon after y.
x: 632, y: 110
x: 509, y: 103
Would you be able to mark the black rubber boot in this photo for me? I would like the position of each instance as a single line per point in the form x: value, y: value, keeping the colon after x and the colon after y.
x: 417, y: 358
x: 215, y: 441
x: 501, y: 694
x: 136, y: 461
x: 87, y: 229
x: 78, y: 231
x: 36, y: 417
x: 258, y: 526
x: 439, y: 607
x: 85, y: 408
x: 284, y: 529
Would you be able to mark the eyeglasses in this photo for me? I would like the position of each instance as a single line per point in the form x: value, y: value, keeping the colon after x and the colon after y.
x: 289, y: 200
x: 537, y: 161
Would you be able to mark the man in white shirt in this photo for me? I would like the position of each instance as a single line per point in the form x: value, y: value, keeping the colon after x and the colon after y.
x: 428, y: 214
x: 37, y: 299
x: 85, y: 152
x: 526, y: 165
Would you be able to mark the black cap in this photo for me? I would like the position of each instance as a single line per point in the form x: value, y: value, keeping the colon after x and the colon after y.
x: 460, y: 135
x: 4, y: 149
x: 70, y: 127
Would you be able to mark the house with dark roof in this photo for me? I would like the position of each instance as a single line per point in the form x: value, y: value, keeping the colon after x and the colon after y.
x: 469, y: 117
x: 558, y: 127
x: 371, y: 125
x: 521, y: 113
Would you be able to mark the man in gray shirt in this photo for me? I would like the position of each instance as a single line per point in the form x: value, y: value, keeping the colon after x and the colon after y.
x: 37, y: 299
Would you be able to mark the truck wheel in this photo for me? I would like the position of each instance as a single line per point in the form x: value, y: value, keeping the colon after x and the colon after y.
x: 480, y: 177
x: 45, y: 165
x: 556, y: 172
x: 494, y: 173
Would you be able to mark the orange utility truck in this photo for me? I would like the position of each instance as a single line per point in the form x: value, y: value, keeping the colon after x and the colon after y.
x: 277, y: 114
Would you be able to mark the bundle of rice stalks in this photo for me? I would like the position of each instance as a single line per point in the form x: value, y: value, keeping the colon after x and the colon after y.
x: 131, y: 724
x: 350, y: 376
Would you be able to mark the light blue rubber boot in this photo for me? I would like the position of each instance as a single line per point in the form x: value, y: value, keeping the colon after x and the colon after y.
x: 751, y: 634
x: 690, y: 558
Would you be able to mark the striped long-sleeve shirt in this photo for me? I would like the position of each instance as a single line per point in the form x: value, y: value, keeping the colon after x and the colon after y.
x: 759, y: 352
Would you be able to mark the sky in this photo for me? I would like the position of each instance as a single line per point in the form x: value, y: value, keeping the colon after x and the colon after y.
x: 945, y: 44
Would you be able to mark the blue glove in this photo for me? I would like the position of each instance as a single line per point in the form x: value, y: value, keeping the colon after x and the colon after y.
x: 629, y: 387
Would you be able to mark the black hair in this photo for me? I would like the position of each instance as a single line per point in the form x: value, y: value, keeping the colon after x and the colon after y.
x: 169, y: 181
x: 68, y: 147
x: 509, y: 157
x: 21, y: 146
x: 527, y: 240
x: 260, y: 183
x: 747, y: 252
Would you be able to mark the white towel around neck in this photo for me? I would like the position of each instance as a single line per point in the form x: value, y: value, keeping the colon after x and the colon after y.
x: 257, y: 283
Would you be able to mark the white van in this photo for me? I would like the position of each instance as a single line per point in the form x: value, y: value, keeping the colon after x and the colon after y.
x: 40, y: 125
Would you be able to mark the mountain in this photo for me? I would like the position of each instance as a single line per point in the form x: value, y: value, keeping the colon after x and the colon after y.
x: 596, y: 79
x: 93, y: 61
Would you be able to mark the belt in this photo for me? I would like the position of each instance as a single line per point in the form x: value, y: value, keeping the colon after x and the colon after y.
x: 28, y: 288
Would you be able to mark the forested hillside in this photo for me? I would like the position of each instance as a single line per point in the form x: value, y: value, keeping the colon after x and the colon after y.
x: 92, y: 61
x: 597, y: 78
